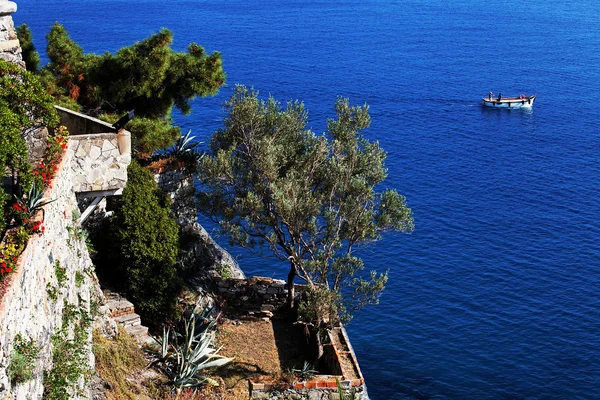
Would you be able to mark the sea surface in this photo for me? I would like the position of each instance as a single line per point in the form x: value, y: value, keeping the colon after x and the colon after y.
x: 496, y: 294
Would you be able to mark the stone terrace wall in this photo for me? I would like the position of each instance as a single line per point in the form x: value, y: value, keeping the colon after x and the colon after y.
x: 255, y: 294
x: 26, y: 307
x: 10, y: 48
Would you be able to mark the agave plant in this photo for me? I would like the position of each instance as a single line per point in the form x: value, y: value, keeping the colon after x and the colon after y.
x: 192, y: 352
x: 34, y: 200
x: 196, y: 354
x: 185, y: 144
x: 306, y: 372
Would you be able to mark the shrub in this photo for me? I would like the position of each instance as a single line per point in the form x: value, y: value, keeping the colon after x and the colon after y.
x: 24, y: 106
x: 29, y: 53
x: 23, y: 360
x: 146, y: 246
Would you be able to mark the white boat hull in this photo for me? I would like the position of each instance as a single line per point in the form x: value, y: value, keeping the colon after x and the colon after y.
x: 509, y: 102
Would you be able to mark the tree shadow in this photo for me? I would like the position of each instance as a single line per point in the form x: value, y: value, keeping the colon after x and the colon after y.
x: 292, y: 345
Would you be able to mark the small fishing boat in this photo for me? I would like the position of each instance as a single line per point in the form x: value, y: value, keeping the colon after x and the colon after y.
x: 508, y: 102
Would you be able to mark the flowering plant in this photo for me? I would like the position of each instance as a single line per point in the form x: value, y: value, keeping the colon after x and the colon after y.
x: 25, y: 209
x: 46, y: 169
x: 10, y: 250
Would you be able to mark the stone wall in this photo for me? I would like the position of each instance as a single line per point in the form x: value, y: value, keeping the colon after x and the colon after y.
x: 99, y: 164
x: 34, y: 301
x: 255, y: 294
x: 10, y: 48
x: 100, y: 158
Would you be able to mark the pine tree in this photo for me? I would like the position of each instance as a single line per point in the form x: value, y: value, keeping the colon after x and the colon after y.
x: 145, y: 241
x: 148, y: 76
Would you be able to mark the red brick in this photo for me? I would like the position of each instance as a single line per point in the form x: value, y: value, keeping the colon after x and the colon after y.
x: 331, y: 384
x: 299, y: 385
x: 310, y: 384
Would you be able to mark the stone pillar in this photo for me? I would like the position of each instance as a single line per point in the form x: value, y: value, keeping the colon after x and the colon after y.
x: 10, y: 48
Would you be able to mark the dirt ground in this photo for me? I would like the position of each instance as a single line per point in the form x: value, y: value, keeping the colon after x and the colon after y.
x: 265, y: 350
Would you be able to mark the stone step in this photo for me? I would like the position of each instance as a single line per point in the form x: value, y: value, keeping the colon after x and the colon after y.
x: 119, y: 306
x: 129, y: 320
x: 137, y: 330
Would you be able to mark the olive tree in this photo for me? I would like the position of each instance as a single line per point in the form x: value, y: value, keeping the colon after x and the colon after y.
x: 268, y: 180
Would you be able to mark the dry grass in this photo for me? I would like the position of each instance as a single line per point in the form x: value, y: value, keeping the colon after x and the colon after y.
x: 120, y: 363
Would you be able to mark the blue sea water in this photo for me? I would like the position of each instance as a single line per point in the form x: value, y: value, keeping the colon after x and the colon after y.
x: 495, y: 294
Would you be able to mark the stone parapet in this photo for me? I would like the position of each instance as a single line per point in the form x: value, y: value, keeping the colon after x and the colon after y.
x: 100, y: 154
x: 10, y: 48
x: 98, y: 164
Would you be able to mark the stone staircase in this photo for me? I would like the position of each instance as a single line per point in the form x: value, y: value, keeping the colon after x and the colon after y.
x: 123, y: 312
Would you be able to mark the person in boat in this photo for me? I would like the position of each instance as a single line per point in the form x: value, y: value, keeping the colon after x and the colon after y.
x: 522, y: 96
x: 499, y: 96
x: 491, y: 95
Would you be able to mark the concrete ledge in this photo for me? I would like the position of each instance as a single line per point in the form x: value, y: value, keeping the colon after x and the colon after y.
x: 81, y: 124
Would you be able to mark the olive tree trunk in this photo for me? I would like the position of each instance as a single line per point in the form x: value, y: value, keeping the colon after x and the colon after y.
x: 290, y: 285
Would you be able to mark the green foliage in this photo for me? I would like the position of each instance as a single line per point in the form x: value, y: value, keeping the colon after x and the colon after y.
x: 350, y: 395
x: 146, y: 247
x: 24, y: 106
x: 319, y: 304
x: 28, y: 51
x: 52, y: 291
x: 69, y: 355
x: 224, y: 271
x: 78, y: 278
x: 27, y: 207
x: 23, y: 359
x: 161, y: 77
x: 148, y: 76
x: 310, y: 198
x: 67, y: 66
x: 61, y: 274
x: 185, y: 145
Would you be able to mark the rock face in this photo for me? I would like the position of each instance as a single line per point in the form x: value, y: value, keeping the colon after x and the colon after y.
x: 10, y: 48
x: 203, y: 253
